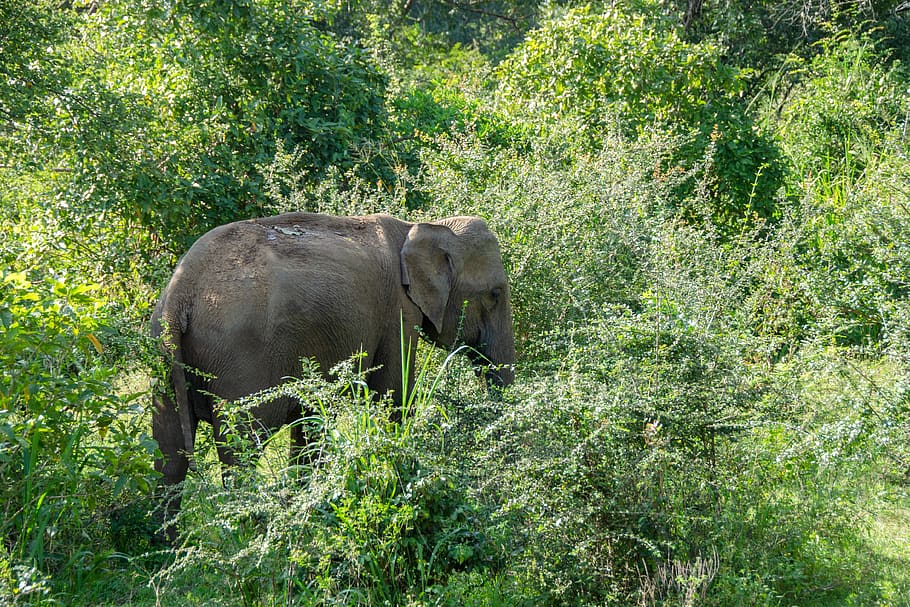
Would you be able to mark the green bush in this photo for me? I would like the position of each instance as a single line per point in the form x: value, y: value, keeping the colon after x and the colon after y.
x: 72, y: 448
x: 854, y: 252
x: 843, y: 129
x: 161, y: 113
x: 377, y: 519
x: 626, y: 72
x: 656, y: 426
x: 572, y: 235
x: 618, y: 459
x: 588, y: 64
x: 659, y: 447
x: 798, y: 513
x: 843, y: 105
x: 441, y: 103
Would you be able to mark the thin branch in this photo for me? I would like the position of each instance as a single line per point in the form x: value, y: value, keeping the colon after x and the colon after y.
x: 4, y: 167
x: 470, y: 8
x: 693, y: 12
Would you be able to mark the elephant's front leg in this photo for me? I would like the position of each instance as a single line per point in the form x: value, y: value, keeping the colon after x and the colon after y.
x: 395, y: 364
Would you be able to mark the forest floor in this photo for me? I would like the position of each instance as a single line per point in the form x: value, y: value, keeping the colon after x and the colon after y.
x: 889, y: 542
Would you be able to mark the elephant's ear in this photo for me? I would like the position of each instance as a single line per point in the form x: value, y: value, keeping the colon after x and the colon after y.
x: 427, y: 269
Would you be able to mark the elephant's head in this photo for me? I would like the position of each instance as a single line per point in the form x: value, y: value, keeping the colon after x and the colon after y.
x: 453, y: 272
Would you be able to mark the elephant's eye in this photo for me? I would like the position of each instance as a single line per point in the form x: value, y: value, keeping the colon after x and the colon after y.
x: 496, y: 293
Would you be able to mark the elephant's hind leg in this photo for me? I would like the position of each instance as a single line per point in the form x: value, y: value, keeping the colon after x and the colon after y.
x: 173, y: 463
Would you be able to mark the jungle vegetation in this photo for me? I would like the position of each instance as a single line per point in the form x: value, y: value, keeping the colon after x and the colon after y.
x: 704, y: 211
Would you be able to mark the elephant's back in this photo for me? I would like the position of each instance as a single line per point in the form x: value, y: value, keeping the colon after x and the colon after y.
x: 307, y: 265
x: 261, y: 272
x: 326, y: 281
x: 254, y: 243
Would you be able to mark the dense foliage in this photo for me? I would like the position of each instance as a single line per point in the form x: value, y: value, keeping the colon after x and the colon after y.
x: 616, y: 71
x: 703, y: 211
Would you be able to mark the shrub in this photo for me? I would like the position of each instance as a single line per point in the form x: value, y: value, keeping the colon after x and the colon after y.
x: 657, y: 425
x: 572, y: 231
x: 660, y: 445
x: 844, y: 103
x: 73, y: 450
x: 853, y: 250
x: 620, y: 458
x: 843, y: 129
x: 629, y: 72
x: 164, y: 112
x: 378, y: 519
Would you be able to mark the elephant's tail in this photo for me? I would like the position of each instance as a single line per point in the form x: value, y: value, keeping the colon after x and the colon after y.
x: 172, y: 330
x: 178, y: 382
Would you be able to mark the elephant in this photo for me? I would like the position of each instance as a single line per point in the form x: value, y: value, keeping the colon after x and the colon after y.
x: 250, y: 299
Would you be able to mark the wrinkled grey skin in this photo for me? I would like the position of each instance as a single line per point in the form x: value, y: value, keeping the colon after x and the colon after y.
x: 251, y: 298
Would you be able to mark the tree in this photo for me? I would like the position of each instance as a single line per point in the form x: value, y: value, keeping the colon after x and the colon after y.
x: 630, y: 72
x: 160, y: 113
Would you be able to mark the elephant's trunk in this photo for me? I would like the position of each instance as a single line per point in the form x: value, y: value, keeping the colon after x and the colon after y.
x: 499, y: 375
x: 500, y: 355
